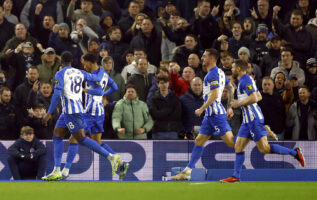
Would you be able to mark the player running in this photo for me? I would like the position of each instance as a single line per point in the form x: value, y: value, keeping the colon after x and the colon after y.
x: 252, y: 126
x: 68, y: 87
x: 215, y: 120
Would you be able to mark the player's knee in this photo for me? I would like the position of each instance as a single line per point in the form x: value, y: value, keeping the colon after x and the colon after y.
x: 199, y: 142
x: 265, y: 150
x: 238, y: 148
x: 230, y: 144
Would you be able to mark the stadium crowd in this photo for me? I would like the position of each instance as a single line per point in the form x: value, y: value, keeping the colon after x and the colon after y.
x: 152, y: 50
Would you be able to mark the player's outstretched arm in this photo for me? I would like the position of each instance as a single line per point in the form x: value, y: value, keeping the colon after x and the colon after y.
x: 93, y: 77
x: 112, y: 87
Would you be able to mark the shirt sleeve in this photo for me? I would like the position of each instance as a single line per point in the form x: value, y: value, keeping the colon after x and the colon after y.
x: 248, y: 85
x: 213, y: 80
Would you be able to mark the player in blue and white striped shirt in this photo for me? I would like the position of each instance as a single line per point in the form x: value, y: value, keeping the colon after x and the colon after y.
x: 215, y: 120
x: 68, y: 87
x: 252, y: 126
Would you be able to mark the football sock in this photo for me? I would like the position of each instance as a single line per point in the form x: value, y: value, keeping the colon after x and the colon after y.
x: 238, y: 163
x: 278, y: 149
x: 196, y: 154
x: 58, y: 150
x: 93, y: 145
x: 108, y: 148
x: 72, y: 151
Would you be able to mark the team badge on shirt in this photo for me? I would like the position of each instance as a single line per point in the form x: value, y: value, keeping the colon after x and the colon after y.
x: 56, y: 82
x: 249, y: 87
x: 214, y: 82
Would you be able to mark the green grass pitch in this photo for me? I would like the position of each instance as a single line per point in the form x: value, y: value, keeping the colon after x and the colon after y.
x: 157, y: 190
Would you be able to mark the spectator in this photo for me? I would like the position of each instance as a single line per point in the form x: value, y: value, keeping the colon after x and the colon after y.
x: 301, y: 117
x: 7, y: 115
x: 289, y: 66
x: 311, y: 74
x: 296, y: 34
x: 126, y: 22
x: 109, y: 133
x: 7, y: 7
x: 205, y: 26
x: 41, y: 8
x: 41, y: 94
x: 182, y: 53
x: 111, y: 6
x: 226, y: 59
x: 258, y: 47
x: 145, y: 9
x: 49, y: 66
x: 272, y: 107
x: 131, y: 118
x: 93, y: 46
x: 166, y: 111
x: 136, y: 27
x: 307, y: 9
x: 21, y: 94
x: 249, y: 29
x: 129, y: 69
x: 141, y: 79
x: 236, y: 41
x: 41, y: 29
x: 270, y: 60
x: 6, y: 29
x: 60, y: 40
x: 244, y: 54
x: 149, y: 38
x: 312, y: 28
x: 83, y: 34
x: 106, y: 21
x: 180, y: 85
x: 191, y: 101
x: 84, y: 12
x: 194, y: 62
x: 262, y: 14
x: 3, y: 79
x: 27, y: 156
x: 221, y: 44
x: 108, y: 65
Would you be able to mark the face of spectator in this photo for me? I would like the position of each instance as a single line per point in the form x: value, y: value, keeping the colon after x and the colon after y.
x: 193, y: 60
x: 286, y: 58
x: 6, y: 97
x: 235, y: 71
x: 204, y: 8
x: 279, y: 81
x: 303, y: 95
x: 27, y: 137
x: 93, y: 47
x: 247, y: 25
x: 46, y: 90
x: 174, y: 19
x: 276, y: 44
x: 296, y: 21
x: 129, y: 58
x: 133, y: 9
x: 28, y: 50
x: 115, y: 35
x: 142, y: 65
x: 163, y: 86
x: 160, y: 11
x: 130, y: 94
x: 32, y: 75
x: 50, y: 57
x: 224, y: 45
x: 228, y: 4
x: 181, y: 24
x: 20, y: 31
x: 39, y: 112
x: 268, y: 86
x: 141, y: 3
x: 262, y: 36
x: 197, y: 86
x: 108, y: 65
x: 7, y: 5
x: 80, y: 24
x: 224, y: 94
x: 63, y: 32
x: 139, y: 54
x: 1, y: 14
x: 237, y: 30
x: 226, y: 61
x: 169, y: 8
x: 48, y: 22
x: 103, y: 53
x: 263, y: 7
x: 139, y: 19
x: 86, y: 6
x: 108, y: 21
x: 244, y: 56
x: 311, y: 70
x: 188, y: 74
x: 147, y: 26
x: 303, y: 3
x: 190, y: 43
x: 3, y: 77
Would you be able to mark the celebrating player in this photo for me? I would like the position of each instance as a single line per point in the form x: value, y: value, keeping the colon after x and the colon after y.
x: 68, y: 87
x: 252, y: 126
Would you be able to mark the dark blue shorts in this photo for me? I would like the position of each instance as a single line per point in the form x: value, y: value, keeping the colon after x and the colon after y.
x: 254, y: 130
x: 94, y: 124
x: 215, y: 125
x: 73, y: 122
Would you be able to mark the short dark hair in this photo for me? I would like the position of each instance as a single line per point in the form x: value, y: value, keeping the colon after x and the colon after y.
x: 225, y: 54
x: 286, y: 49
x: 213, y: 52
x: 191, y: 35
x: 139, y: 49
x: 33, y: 67
x: 163, y: 78
x: 297, y: 12
x: 130, y: 86
x: 39, y: 106
x: 4, y: 88
x: 113, y: 28
x: 66, y: 58
x: 304, y: 87
x: 242, y: 64
x: 90, y: 57
x: 175, y: 13
x: 267, y: 78
x: 27, y: 130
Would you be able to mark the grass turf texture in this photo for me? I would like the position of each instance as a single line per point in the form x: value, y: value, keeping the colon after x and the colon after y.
x: 157, y: 190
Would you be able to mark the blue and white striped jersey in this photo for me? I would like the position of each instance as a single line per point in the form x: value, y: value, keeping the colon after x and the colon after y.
x: 250, y: 112
x: 93, y: 103
x: 69, y: 81
x: 215, y: 78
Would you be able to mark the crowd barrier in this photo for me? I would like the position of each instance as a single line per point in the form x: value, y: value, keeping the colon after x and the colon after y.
x: 152, y: 159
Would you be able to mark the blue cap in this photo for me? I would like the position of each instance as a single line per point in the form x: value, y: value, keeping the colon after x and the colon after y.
x: 63, y: 24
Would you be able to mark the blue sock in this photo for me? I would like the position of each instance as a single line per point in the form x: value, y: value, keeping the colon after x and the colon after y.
x: 238, y: 163
x: 72, y: 151
x: 278, y: 149
x: 93, y: 145
x: 58, y: 150
x: 196, y: 154
x: 108, y: 148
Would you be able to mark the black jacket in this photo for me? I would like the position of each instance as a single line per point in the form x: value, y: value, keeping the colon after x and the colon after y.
x: 166, y: 112
x: 22, y: 147
x: 6, y: 32
x: 8, y: 129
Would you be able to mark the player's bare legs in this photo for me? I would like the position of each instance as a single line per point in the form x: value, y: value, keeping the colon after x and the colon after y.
x: 228, y: 139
